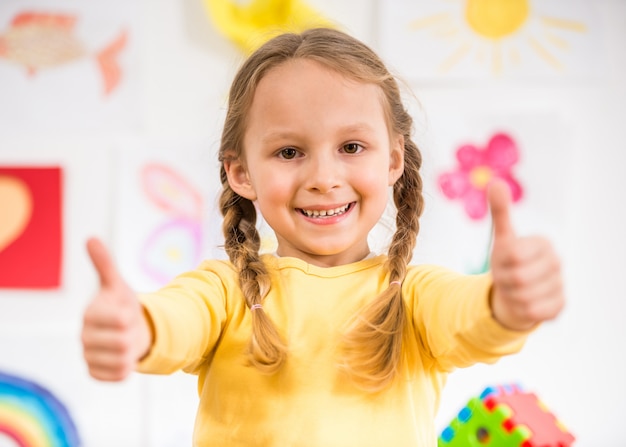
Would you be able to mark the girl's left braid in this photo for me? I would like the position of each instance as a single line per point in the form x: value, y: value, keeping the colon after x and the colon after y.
x: 266, y: 349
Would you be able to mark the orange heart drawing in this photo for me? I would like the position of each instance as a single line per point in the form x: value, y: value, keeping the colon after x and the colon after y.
x: 16, y: 209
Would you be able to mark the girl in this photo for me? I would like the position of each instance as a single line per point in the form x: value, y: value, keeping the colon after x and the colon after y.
x: 322, y: 343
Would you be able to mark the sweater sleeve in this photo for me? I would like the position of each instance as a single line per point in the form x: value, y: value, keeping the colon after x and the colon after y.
x: 453, y: 320
x: 187, y: 317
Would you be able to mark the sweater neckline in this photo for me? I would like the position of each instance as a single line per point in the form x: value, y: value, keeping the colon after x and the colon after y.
x: 328, y: 272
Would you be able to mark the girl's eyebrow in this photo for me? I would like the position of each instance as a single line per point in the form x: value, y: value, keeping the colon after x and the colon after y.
x: 280, y: 135
x: 356, y: 127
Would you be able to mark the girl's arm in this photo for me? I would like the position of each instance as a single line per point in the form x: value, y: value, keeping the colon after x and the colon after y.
x: 464, y: 319
x: 116, y: 331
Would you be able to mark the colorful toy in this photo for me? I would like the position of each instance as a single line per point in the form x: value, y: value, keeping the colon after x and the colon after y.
x: 505, y: 416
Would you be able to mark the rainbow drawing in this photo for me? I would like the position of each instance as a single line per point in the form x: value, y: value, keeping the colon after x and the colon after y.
x: 31, y: 416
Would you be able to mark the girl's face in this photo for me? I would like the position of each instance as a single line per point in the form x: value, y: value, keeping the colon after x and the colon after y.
x: 318, y: 161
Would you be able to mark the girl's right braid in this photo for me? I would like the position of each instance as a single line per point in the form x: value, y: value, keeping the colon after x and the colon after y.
x: 407, y: 195
x: 266, y: 350
x: 374, y: 342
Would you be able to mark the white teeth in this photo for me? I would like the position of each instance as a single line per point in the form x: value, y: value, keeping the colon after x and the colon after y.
x: 326, y: 213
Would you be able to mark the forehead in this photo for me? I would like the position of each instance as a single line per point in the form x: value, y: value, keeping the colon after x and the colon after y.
x: 305, y: 90
x: 305, y: 74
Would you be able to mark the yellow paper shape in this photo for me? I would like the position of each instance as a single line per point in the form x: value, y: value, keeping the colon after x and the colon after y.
x: 254, y: 23
x: 16, y: 209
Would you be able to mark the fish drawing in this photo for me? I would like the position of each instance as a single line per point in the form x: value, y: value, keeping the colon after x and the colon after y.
x: 38, y: 40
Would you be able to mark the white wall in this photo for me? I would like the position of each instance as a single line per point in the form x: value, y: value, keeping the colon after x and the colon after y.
x: 575, y: 364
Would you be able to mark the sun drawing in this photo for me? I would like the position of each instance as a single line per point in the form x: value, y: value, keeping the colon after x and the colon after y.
x: 497, y: 33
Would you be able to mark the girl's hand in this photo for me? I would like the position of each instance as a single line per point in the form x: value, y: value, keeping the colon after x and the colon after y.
x: 115, y: 332
x: 527, y: 283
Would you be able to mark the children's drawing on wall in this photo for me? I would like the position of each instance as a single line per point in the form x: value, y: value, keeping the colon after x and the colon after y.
x: 64, y: 53
x: 167, y: 220
x: 30, y: 227
x: 31, y: 415
x: 249, y: 24
x: 464, y: 151
x: 39, y: 40
x: 476, y: 168
x: 491, y: 38
x: 174, y: 245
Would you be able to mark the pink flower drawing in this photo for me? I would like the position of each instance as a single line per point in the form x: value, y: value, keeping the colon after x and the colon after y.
x: 476, y: 168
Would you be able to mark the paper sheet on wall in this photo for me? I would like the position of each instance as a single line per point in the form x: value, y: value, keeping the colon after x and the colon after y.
x: 68, y: 66
x: 456, y: 229
x: 30, y: 226
x: 167, y: 219
x: 251, y: 23
x: 483, y: 39
x: 30, y: 414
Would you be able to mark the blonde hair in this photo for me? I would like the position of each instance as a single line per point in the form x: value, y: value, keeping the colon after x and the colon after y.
x: 373, y: 341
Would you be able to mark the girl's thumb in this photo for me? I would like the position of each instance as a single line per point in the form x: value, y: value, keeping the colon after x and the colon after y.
x: 499, y: 197
x: 103, y: 263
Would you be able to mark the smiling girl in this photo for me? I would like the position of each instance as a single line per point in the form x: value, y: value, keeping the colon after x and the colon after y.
x: 322, y: 343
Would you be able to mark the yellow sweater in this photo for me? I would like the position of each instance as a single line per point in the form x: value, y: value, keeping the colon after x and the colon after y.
x: 202, y: 326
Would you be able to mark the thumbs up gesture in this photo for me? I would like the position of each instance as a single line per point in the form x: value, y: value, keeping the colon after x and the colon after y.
x: 527, y: 283
x: 115, y: 332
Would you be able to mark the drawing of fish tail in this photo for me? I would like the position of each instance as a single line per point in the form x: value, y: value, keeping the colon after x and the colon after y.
x: 108, y: 64
x: 4, y: 49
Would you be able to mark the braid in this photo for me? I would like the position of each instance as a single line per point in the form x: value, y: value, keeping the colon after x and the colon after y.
x: 266, y: 349
x: 374, y: 341
x: 407, y: 196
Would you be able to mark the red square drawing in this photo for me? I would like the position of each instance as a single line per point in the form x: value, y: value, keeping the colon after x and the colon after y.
x: 30, y: 227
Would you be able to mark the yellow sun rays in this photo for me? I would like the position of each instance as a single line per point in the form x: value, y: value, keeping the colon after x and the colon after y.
x: 492, y: 31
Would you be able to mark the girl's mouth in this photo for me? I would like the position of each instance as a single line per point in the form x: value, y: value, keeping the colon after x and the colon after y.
x: 321, y: 214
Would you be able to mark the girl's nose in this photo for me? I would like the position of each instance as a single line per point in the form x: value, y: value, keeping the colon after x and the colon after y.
x: 323, y: 174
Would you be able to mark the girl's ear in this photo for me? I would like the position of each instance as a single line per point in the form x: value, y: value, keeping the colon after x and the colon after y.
x: 238, y: 178
x: 396, y: 160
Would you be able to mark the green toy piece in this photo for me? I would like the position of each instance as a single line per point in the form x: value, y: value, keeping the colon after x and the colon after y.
x: 475, y: 426
x: 505, y: 416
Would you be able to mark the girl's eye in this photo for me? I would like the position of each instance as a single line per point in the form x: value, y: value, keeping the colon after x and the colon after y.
x: 288, y: 153
x: 352, y: 148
